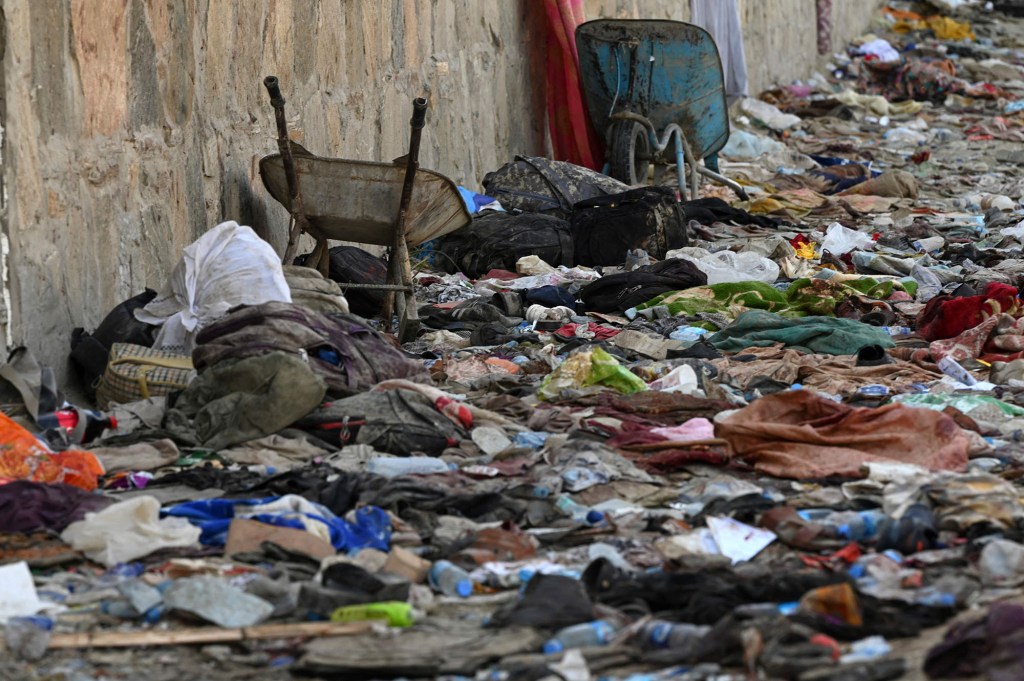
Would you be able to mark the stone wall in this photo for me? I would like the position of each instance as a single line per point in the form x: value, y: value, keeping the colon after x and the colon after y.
x: 132, y: 126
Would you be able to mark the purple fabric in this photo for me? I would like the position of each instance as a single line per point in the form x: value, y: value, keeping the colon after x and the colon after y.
x: 27, y: 506
x: 992, y: 645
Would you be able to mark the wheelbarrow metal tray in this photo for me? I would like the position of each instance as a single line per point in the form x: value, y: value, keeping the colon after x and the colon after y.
x: 358, y: 201
x: 682, y: 84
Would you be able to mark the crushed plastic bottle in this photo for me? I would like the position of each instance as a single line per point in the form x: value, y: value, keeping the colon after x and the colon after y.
x: 675, y: 635
x: 28, y: 637
x: 578, y: 478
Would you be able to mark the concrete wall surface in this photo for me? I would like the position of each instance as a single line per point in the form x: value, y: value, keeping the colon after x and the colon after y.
x: 132, y: 126
x: 780, y: 37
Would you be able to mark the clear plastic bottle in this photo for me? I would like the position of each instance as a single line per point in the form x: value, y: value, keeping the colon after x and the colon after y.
x: 586, y: 635
x: 28, y: 637
x: 393, y: 466
x: 449, y: 579
x: 578, y: 512
x: 851, y: 525
x: 857, y: 525
x: 675, y: 635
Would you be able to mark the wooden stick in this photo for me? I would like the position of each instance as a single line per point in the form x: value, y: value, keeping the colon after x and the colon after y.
x: 176, y: 637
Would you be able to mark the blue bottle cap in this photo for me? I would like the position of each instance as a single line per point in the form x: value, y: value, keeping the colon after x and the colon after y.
x: 659, y: 634
x: 594, y: 517
x: 553, y: 646
x: 464, y: 588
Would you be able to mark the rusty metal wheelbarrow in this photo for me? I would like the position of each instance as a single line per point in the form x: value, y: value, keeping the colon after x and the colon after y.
x: 396, y: 204
x: 648, y: 83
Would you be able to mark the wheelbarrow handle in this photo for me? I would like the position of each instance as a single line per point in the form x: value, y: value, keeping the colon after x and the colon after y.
x: 419, y: 113
x: 274, y: 88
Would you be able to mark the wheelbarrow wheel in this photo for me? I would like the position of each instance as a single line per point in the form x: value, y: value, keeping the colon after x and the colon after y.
x: 629, y: 152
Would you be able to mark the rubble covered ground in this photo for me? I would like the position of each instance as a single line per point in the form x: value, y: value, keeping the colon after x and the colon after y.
x: 788, y: 448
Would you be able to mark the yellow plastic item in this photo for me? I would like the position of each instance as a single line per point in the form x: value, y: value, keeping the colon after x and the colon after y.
x: 397, y: 613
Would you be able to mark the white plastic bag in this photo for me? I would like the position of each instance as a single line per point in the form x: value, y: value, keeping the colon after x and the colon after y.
x: 726, y: 267
x: 746, y: 145
x: 682, y: 379
x: 769, y: 114
x: 228, y: 266
x: 128, y: 530
x: 532, y: 265
x: 840, y: 240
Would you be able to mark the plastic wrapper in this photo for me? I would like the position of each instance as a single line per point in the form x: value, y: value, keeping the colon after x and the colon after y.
x: 840, y: 240
x: 727, y: 267
x: 586, y: 369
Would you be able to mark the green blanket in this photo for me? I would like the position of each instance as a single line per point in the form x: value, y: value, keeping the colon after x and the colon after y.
x: 819, y: 335
x: 801, y: 298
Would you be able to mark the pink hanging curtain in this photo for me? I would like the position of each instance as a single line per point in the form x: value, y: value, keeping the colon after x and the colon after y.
x: 572, y: 136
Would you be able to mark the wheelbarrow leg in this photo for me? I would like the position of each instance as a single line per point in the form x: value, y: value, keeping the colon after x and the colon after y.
x: 299, y: 222
x: 731, y: 184
x: 681, y: 165
x: 399, y: 268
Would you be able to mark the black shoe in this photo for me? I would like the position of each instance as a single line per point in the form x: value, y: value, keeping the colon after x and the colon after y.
x: 873, y: 356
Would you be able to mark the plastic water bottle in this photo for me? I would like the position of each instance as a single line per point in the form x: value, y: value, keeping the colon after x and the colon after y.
x: 661, y: 634
x: 449, y: 579
x: 586, y: 635
x: 857, y: 525
x: 393, y: 466
x: 851, y: 525
x: 936, y: 599
x: 28, y: 637
x: 578, y: 512
x: 95, y: 422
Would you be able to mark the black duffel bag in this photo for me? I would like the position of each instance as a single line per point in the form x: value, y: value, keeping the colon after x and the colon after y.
x: 90, y: 352
x: 352, y: 265
x: 496, y: 240
x: 648, y: 218
x: 619, y: 292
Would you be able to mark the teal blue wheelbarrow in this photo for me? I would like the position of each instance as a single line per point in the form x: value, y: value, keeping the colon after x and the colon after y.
x: 656, y: 90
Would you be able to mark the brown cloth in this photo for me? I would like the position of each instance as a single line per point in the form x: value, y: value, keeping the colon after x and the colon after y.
x: 797, y: 434
x: 836, y: 374
x: 897, y: 184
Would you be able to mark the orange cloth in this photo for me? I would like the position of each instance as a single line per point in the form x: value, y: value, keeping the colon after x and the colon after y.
x: 23, y: 457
